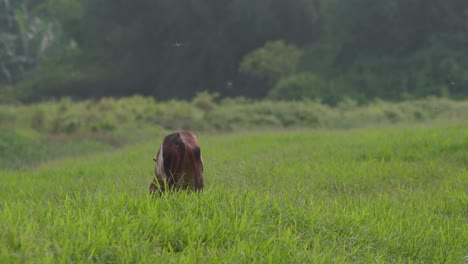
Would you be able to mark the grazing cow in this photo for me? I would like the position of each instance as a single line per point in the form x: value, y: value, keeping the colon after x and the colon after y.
x: 179, y: 164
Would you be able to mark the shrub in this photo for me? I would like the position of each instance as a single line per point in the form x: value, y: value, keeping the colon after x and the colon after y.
x: 7, y: 116
x: 205, y: 101
x: 49, y: 80
x: 137, y: 112
x: 273, y: 61
x: 39, y: 118
x: 299, y: 87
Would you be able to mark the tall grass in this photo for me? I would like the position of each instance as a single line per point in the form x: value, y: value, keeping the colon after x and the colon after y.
x: 32, y: 133
x: 208, y: 114
x: 378, y: 195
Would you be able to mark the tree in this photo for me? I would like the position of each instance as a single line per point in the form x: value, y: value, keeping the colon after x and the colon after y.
x: 391, y: 48
x: 301, y: 86
x: 178, y: 48
x: 26, y: 37
x: 272, y: 62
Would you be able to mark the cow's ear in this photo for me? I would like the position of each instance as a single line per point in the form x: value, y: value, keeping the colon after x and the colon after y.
x: 154, y: 159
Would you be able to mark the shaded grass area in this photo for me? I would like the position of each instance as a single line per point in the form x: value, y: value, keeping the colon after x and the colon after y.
x: 366, y: 195
x: 21, y: 148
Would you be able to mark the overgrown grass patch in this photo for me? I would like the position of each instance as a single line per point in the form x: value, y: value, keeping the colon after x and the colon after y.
x: 206, y: 113
x: 40, y: 131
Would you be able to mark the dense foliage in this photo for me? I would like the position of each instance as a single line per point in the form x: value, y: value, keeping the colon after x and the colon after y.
x: 360, y: 49
x: 205, y: 113
x: 34, y: 132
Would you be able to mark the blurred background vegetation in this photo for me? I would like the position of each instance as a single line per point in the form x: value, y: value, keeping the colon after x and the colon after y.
x: 84, y: 75
x: 327, y: 50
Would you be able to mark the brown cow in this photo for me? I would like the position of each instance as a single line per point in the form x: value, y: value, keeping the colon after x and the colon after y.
x: 179, y: 164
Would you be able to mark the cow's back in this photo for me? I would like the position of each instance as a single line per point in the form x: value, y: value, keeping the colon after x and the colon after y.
x: 178, y: 163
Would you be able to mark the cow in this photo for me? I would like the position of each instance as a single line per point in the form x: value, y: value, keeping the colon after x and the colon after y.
x: 179, y: 164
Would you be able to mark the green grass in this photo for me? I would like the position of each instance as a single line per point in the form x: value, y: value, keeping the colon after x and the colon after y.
x: 375, y: 195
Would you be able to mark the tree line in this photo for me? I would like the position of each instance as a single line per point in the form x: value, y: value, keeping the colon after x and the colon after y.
x: 285, y: 50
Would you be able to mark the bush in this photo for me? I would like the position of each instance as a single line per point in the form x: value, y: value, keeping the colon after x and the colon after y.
x: 273, y: 61
x: 437, y: 70
x: 299, y: 87
x: 48, y: 81
x: 205, y: 101
x: 269, y: 114
x: 7, y: 116
x: 113, y: 115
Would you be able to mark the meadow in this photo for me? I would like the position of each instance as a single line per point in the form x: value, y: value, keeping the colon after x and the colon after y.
x: 382, y: 194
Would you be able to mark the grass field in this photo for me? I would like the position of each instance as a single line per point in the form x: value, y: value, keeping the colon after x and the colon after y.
x: 374, y: 195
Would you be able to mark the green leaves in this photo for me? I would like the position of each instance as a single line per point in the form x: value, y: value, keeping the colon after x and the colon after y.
x: 361, y: 49
x: 273, y: 61
x: 299, y: 87
x: 29, y: 36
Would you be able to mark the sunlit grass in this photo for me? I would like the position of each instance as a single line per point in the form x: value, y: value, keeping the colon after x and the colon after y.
x: 368, y: 195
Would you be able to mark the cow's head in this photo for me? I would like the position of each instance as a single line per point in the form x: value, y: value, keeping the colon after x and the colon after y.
x: 153, y: 188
